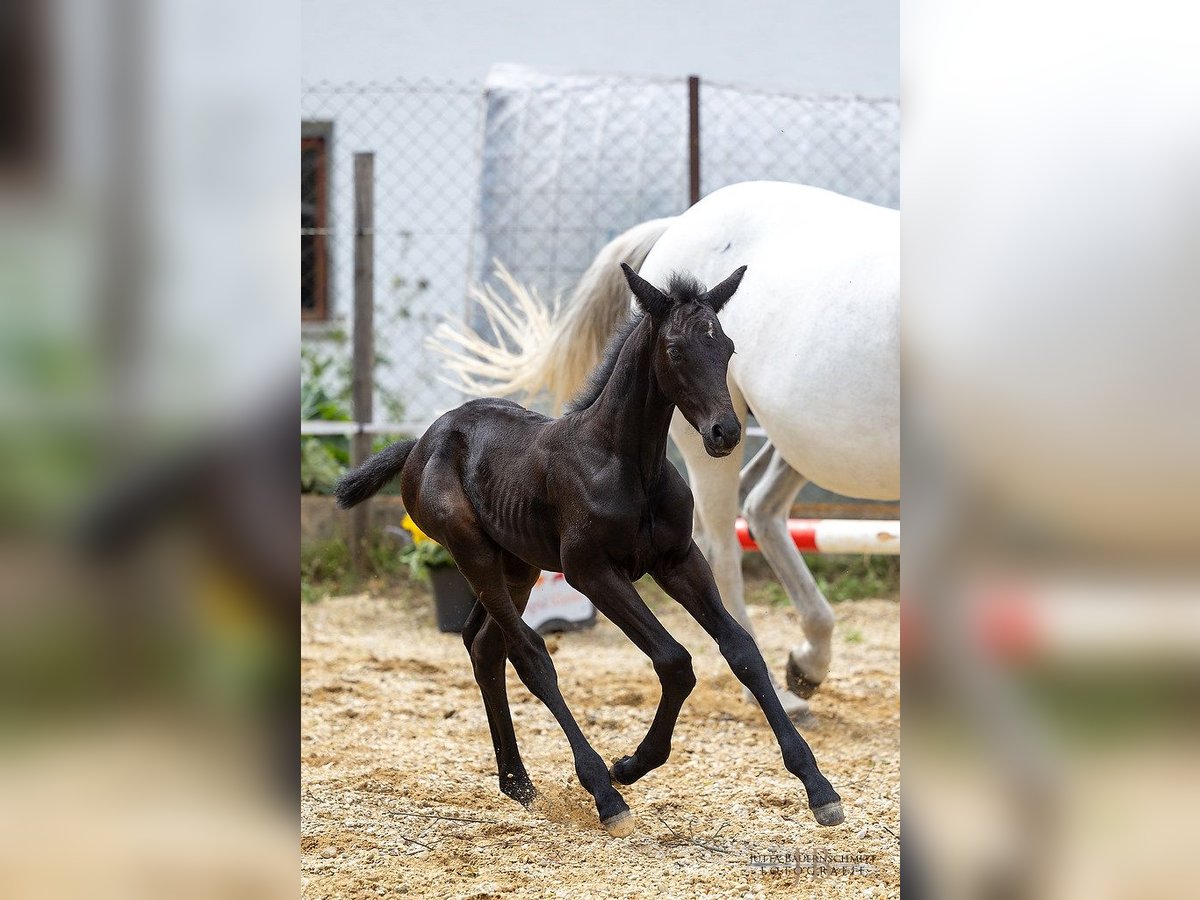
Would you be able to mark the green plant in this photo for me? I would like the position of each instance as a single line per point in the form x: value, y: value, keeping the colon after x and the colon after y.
x: 320, y: 466
x: 856, y: 577
x: 311, y: 592
x: 424, y: 553
x: 839, y: 578
x: 323, y: 458
x: 421, y: 557
x: 325, y: 396
x: 326, y: 570
x: 326, y: 562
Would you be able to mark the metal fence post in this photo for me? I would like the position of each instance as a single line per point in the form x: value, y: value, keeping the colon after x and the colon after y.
x: 693, y: 139
x: 363, y: 381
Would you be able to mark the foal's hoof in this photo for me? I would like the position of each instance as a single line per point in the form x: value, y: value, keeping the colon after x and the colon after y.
x: 619, y: 771
x: 521, y: 790
x: 621, y: 825
x: 829, y: 814
x: 526, y: 799
x: 797, y: 682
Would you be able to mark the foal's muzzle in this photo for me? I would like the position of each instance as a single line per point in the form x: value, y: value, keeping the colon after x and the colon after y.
x: 722, y: 436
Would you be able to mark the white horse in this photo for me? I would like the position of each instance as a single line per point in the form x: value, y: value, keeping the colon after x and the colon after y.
x: 816, y: 325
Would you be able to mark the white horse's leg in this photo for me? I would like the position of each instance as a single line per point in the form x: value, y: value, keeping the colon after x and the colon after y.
x: 766, y: 508
x: 698, y: 533
x: 715, y: 489
x: 753, y: 472
x: 714, y: 485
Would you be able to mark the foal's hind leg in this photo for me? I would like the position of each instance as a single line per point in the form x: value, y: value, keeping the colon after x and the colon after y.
x: 767, y: 506
x: 691, y: 584
x: 481, y: 560
x: 477, y: 618
x: 488, y: 655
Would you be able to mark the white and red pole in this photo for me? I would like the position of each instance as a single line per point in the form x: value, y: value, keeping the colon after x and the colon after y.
x: 874, y: 536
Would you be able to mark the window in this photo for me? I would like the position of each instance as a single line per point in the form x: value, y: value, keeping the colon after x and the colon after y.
x: 314, y: 221
x: 25, y: 91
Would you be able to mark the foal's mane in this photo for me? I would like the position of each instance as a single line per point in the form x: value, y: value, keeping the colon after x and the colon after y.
x: 603, y: 371
x: 682, y: 288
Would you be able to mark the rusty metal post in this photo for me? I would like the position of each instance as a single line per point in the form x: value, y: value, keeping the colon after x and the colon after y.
x: 693, y: 139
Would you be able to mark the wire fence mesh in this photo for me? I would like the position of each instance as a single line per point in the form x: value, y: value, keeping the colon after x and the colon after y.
x: 538, y: 172
x: 846, y: 144
x: 425, y: 138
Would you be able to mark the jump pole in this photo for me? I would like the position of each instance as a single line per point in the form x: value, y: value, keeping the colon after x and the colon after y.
x: 871, y: 536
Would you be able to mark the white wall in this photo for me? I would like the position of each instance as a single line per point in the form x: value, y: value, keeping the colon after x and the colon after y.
x: 804, y: 46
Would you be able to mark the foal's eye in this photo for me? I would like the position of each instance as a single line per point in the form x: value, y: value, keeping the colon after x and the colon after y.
x: 673, y: 353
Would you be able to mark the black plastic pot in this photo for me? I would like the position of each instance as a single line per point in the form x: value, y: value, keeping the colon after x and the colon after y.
x: 452, y: 598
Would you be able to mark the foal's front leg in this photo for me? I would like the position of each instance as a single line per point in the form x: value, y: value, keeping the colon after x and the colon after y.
x: 691, y: 584
x: 614, y: 596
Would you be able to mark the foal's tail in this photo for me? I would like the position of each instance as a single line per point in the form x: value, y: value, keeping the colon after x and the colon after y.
x: 369, y: 478
x: 545, y: 348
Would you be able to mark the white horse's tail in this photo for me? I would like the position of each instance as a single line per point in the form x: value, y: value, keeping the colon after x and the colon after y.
x: 551, y: 348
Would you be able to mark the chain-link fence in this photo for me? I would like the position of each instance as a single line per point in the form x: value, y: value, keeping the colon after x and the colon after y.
x: 425, y: 138
x: 536, y: 171
x: 846, y: 144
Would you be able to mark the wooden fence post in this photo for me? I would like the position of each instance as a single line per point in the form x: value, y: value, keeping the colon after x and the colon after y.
x: 362, y: 385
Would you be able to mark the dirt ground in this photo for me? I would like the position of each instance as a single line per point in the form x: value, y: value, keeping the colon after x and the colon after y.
x: 400, y: 796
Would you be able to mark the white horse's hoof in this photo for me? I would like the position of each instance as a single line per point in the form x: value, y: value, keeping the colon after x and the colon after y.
x: 621, y: 825
x: 796, y: 709
x: 830, y: 814
x: 799, y: 683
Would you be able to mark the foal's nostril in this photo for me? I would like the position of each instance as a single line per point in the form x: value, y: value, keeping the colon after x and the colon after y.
x: 724, y: 437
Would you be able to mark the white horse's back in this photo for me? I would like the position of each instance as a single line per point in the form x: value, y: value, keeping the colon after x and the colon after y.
x: 816, y: 322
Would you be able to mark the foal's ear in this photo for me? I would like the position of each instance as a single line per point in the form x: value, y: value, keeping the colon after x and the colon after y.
x: 719, y: 296
x: 653, y: 301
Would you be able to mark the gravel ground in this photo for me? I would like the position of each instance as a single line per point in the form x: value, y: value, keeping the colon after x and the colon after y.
x: 399, y: 790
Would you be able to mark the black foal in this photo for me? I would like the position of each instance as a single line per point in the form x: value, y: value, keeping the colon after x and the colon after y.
x: 510, y: 492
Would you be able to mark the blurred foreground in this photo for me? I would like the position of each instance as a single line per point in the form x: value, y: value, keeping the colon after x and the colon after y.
x: 148, y: 276
x: 1052, y: 635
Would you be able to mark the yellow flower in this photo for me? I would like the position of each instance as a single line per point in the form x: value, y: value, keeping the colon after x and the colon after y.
x: 414, y: 529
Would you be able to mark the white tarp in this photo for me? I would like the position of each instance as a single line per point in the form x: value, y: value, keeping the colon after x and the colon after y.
x: 570, y: 161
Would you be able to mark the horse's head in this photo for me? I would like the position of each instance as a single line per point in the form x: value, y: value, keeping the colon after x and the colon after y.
x: 692, y: 352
